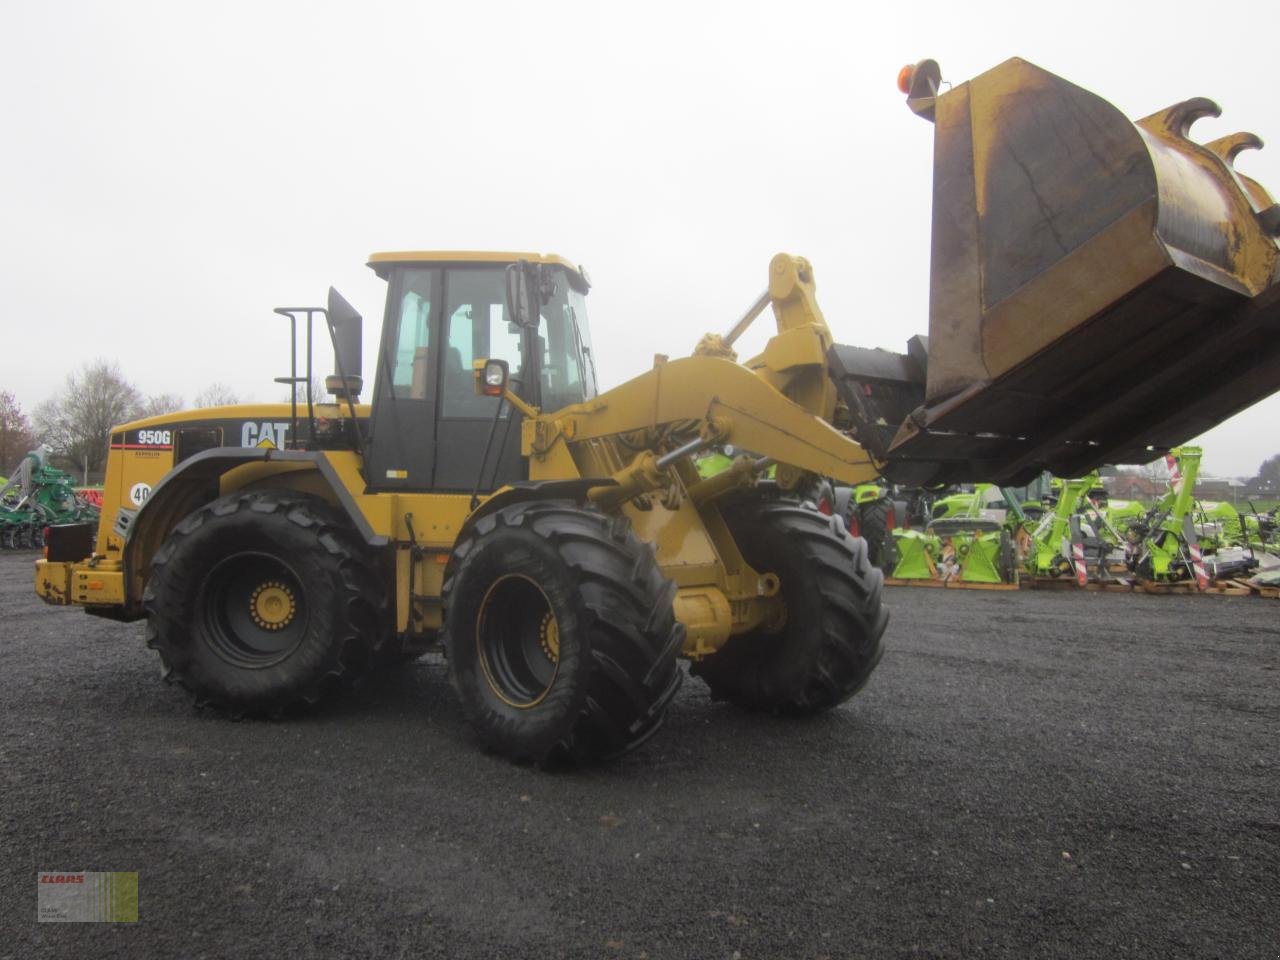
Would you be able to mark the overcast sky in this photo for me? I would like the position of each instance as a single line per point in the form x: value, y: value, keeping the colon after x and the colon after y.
x: 172, y: 171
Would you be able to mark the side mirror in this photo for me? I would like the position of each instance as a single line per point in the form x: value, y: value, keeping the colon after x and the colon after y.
x: 521, y: 304
x: 345, y: 329
x: 491, y: 377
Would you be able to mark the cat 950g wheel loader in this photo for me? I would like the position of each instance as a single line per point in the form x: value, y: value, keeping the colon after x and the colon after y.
x: 559, y: 541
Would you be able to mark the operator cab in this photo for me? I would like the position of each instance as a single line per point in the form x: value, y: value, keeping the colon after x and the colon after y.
x: 445, y: 310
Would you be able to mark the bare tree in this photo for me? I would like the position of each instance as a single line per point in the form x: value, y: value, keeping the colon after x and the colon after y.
x: 160, y: 403
x: 76, y: 424
x: 216, y: 395
x: 16, y: 436
x: 318, y: 392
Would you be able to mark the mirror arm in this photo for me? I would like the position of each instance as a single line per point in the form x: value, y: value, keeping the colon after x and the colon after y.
x: 527, y: 409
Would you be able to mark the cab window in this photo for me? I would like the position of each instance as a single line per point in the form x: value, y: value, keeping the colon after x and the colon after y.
x: 476, y: 327
x: 412, y: 359
x: 567, y: 367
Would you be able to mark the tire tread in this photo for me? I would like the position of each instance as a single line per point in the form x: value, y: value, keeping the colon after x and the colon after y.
x: 789, y: 674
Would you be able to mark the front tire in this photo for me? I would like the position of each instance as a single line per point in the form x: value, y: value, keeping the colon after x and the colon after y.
x: 831, y: 640
x: 262, y: 600
x: 560, y: 632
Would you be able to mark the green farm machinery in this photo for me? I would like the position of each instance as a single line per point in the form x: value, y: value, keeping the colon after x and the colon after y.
x: 1170, y: 546
x: 970, y: 539
x: 37, y: 496
x: 1076, y: 539
x: 1121, y: 515
x: 1231, y: 527
x: 993, y: 535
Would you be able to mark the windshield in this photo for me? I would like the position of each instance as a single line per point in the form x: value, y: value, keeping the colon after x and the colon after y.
x: 568, y: 367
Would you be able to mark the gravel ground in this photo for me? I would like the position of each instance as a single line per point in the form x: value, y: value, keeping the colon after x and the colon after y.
x: 1027, y: 775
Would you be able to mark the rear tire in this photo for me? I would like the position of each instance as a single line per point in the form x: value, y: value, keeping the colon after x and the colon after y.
x: 1008, y: 559
x: 831, y: 641
x: 873, y: 523
x: 560, y: 632
x: 262, y: 600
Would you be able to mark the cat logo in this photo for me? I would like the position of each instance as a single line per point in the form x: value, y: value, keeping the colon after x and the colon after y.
x: 268, y: 435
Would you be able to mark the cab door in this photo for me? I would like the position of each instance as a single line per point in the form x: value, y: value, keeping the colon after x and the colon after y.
x: 402, y: 442
x: 475, y: 325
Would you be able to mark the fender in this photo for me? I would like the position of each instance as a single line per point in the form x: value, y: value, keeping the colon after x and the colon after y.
x: 197, y: 481
x: 522, y: 490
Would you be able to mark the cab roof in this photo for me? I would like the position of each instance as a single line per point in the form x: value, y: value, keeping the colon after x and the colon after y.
x: 381, y: 262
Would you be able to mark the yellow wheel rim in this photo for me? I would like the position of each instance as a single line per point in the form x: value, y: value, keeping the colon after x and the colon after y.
x: 272, y: 606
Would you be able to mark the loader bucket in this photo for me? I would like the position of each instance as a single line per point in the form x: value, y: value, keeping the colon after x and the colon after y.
x: 1100, y: 289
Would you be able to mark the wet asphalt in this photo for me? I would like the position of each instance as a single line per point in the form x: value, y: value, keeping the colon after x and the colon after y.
x: 1031, y: 774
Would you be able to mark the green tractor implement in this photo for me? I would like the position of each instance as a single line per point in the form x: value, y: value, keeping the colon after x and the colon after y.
x: 1120, y: 516
x: 1167, y: 547
x: 1074, y: 537
x: 1232, y: 527
x: 38, y: 496
x: 971, y: 543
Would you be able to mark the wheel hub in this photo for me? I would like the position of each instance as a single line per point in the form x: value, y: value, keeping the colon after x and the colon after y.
x: 271, y: 606
x: 549, y: 637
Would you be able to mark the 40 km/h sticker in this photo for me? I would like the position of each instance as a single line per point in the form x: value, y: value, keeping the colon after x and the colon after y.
x: 138, y: 493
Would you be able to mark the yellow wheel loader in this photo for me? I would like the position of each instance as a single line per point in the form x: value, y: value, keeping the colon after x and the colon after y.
x: 558, y: 541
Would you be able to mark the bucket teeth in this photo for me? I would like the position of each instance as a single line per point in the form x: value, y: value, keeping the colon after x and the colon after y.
x: 1176, y: 121
x: 1230, y: 147
x: 1227, y: 149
